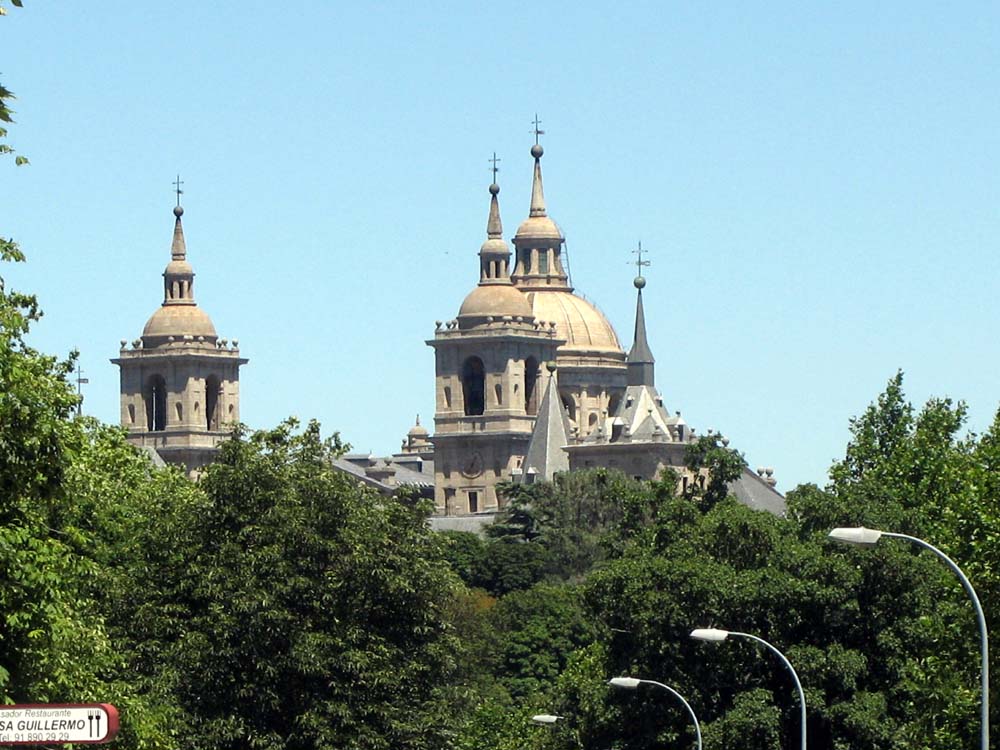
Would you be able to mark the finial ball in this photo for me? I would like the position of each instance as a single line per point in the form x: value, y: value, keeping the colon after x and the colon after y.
x: 550, y: 366
x: 639, y: 282
x: 494, y: 189
x: 537, y: 151
x: 178, y: 211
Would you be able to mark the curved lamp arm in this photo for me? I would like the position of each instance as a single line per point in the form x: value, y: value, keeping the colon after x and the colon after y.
x: 715, y: 635
x: 868, y: 537
x: 633, y: 682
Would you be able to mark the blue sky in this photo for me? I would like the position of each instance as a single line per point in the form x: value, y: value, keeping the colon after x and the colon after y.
x: 816, y: 185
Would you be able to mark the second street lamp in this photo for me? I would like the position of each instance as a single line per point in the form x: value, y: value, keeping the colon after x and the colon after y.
x: 862, y: 537
x: 631, y: 683
x: 716, y: 635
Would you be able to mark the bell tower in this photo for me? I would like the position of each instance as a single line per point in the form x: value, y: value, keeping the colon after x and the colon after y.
x: 489, y: 379
x: 179, y: 381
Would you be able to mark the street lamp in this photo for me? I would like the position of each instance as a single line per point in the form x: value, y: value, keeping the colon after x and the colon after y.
x: 715, y: 635
x: 863, y: 537
x: 631, y: 683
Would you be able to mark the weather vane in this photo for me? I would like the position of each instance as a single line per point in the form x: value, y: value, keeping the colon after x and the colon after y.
x: 536, y: 122
x: 639, y: 262
x: 495, y: 168
x: 177, y: 189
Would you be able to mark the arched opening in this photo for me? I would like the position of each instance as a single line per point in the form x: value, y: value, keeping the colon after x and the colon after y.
x: 156, y: 403
x: 212, y: 389
x: 498, y: 390
x: 474, y: 386
x: 530, y: 381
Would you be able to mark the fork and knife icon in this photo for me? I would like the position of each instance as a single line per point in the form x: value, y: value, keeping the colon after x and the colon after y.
x: 94, y: 722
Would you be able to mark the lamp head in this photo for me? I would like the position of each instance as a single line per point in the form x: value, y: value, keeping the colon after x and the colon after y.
x: 629, y: 683
x: 709, y: 634
x: 545, y: 718
x: 859, y: 536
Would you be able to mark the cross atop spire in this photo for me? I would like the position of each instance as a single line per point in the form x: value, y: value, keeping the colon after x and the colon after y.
x: 536, y: 122
x: 639, y: 262
x: 495, y: 168
x: 80, y: 382
x: 177, y: 189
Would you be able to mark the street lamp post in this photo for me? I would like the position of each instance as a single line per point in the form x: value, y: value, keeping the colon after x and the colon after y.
x: 715, y: 635
x: 631, y: 683
x: 863, y: 537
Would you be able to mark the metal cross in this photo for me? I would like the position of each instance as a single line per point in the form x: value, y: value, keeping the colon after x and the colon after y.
x: 639, y: 263
x: 80, y: 380
x: 177, y: 188
x: 536, y: 131
x: 496, y: 169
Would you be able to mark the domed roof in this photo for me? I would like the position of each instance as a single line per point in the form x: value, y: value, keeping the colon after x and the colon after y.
x: 494, y: 300
x: 418, y: 430
x: 538, y: 227
x: 178, y: 321
x: 582, y: 325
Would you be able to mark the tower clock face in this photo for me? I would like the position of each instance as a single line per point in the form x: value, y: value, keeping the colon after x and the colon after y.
x: 473, y: 465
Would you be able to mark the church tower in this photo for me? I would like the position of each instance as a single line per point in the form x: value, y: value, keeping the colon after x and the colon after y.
x: 489, y: 379
x: 592, y: 370
x: 180, y: 382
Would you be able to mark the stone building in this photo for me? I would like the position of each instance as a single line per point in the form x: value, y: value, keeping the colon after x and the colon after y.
x: 180, y: 383
x: 500, y: 415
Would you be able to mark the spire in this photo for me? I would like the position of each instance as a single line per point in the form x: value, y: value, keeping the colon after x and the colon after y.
x: 537, y: 195
x: 640, y: 358
x: 494, y: 255
x: 494, y: 229
x: 539, y: 241
x: 178, y: 276
x: 545, y: 455
x: 178, y: 249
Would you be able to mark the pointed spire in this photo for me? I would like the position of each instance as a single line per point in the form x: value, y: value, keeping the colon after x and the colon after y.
x: 537, y: 195
x: 494, y: 229
x: 178, y: 276
x: 640, y: 358
x: 545, y: 455
x: 178, y: 249
x: 494, y: 255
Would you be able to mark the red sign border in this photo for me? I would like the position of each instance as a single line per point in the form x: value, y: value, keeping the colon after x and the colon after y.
x: 110, y: 710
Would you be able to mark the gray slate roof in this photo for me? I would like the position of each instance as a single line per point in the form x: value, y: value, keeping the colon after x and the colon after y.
x: 753, y: 492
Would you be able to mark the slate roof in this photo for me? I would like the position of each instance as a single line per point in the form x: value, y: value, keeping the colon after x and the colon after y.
x: 545, y: 455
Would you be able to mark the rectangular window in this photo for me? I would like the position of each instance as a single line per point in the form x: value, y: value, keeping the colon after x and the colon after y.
x: 543, y: 261
x: 473, y: 502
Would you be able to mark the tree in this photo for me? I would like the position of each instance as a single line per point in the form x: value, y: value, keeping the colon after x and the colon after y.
x: 534, y: 633
x: 289, y: 607
x: 54, y: 643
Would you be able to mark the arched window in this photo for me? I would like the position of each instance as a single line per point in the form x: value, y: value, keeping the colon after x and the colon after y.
x: 473, y: 386
x: 156, y: 403
x: 530, y: 381
x: 212, y: 389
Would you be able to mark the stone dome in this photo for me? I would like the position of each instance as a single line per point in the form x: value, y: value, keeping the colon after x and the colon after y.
x: 494, y: 300
x: 418, y: 430
x: 178, y: 321
x: 582, y: 325
x: 538, y: 227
